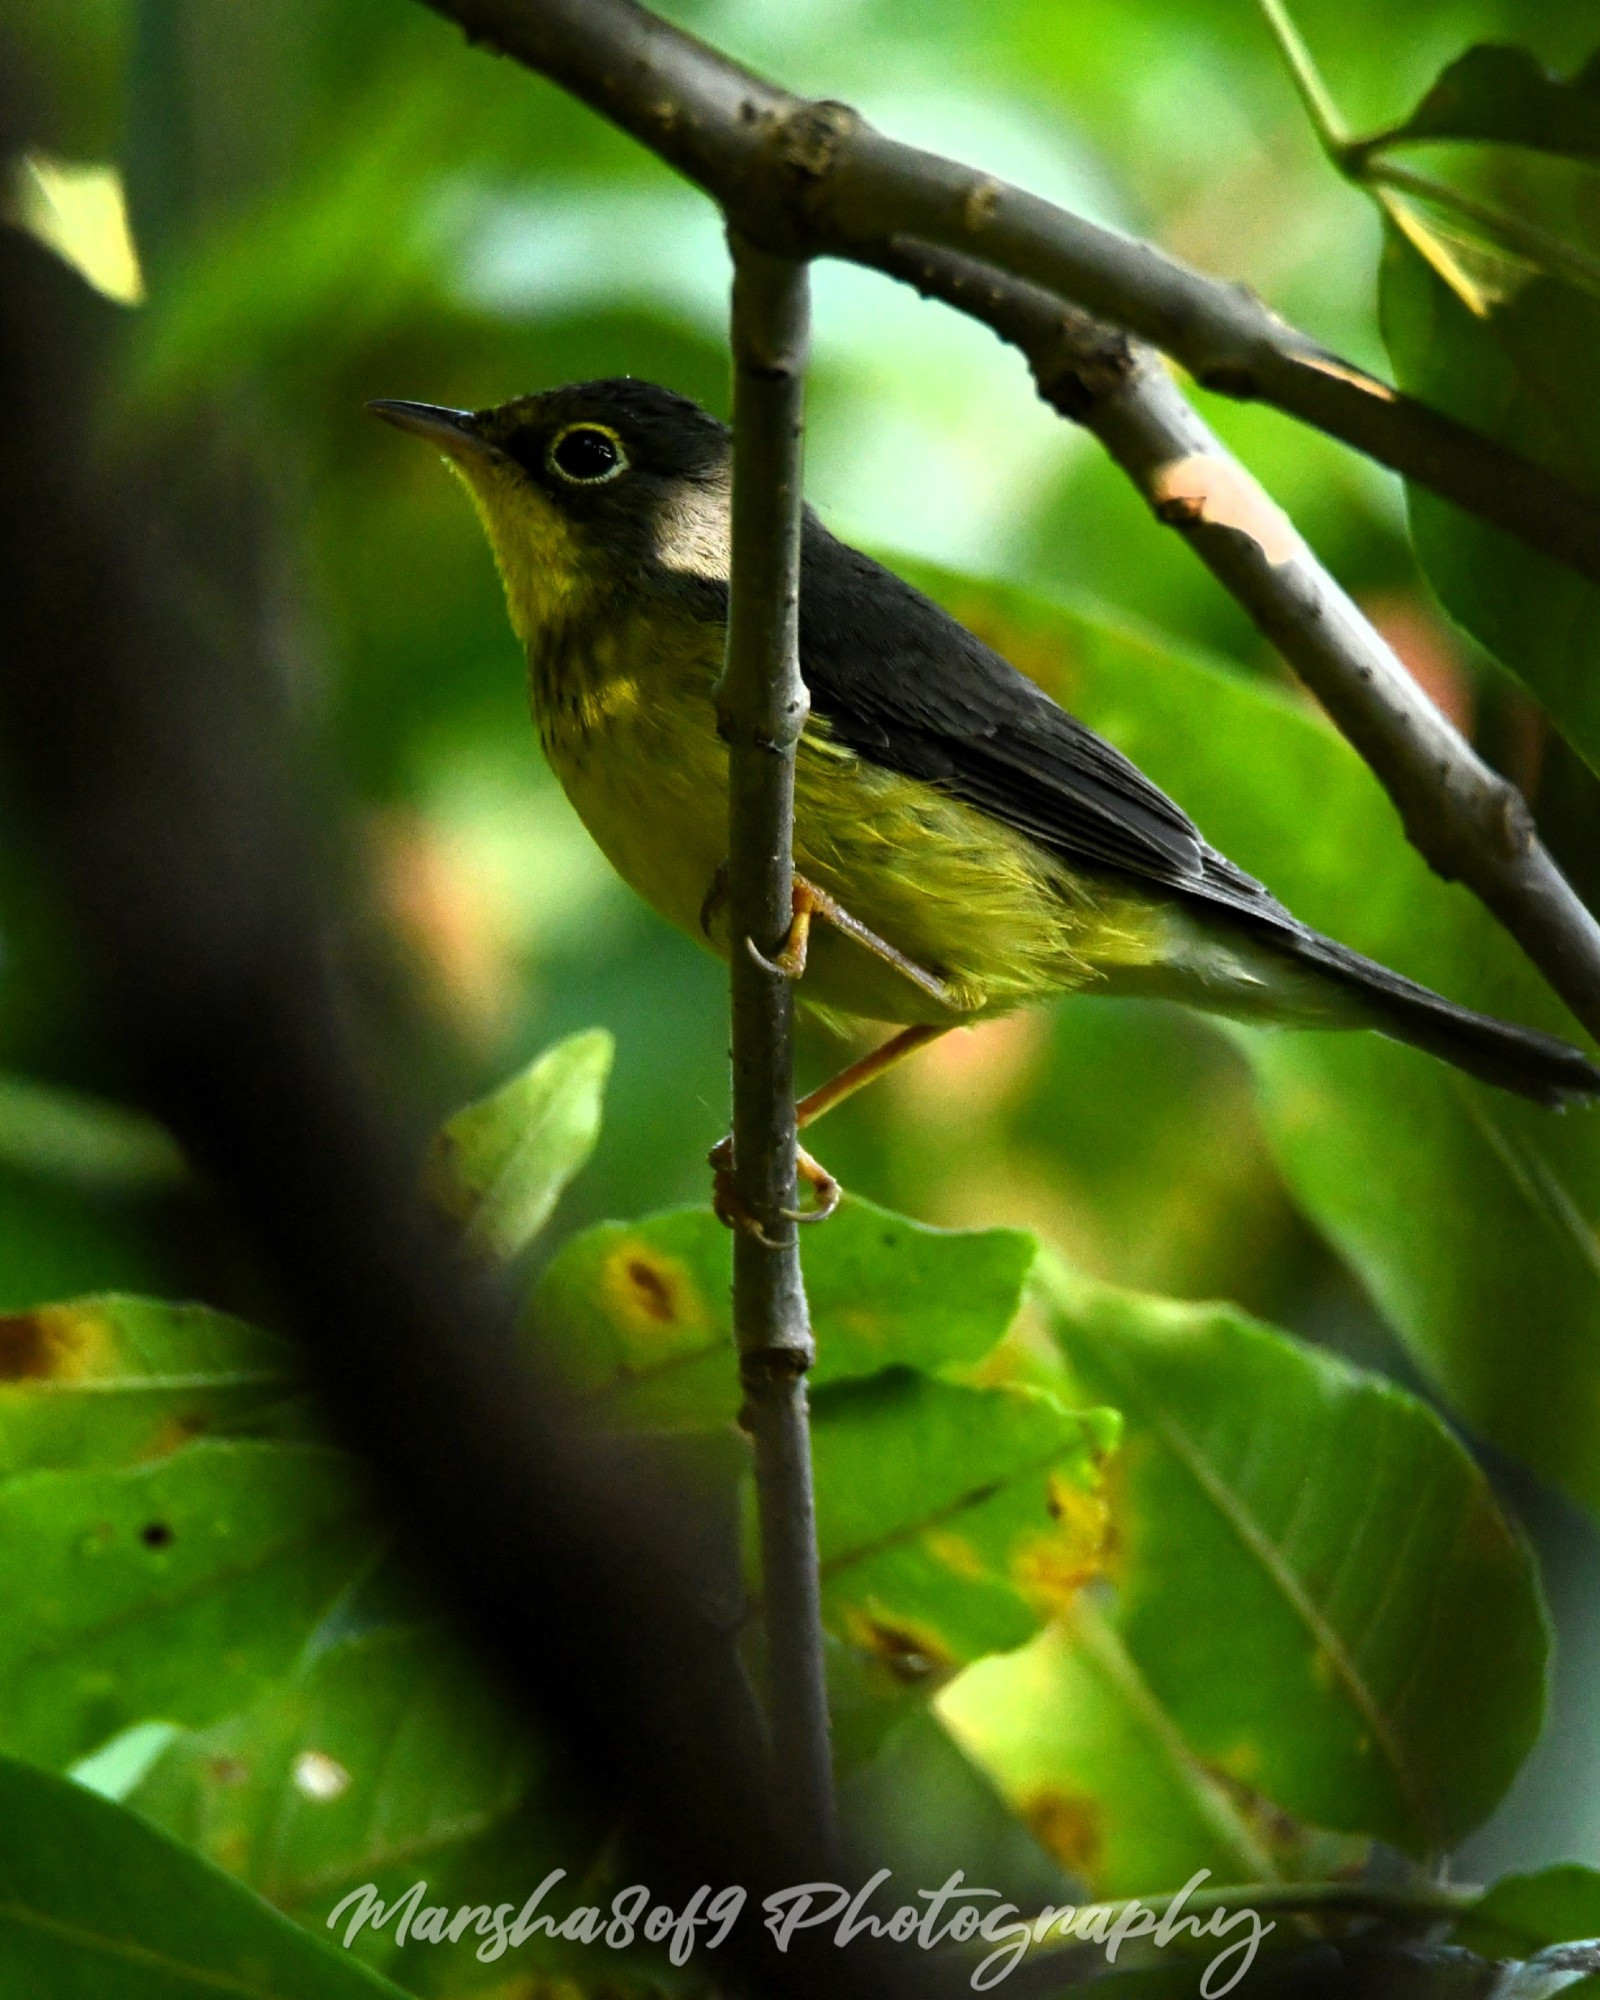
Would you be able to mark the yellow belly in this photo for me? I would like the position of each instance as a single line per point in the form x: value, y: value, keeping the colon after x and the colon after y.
x: 980, y: 907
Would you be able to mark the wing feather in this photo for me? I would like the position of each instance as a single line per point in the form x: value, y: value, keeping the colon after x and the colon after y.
x: 902, y: 683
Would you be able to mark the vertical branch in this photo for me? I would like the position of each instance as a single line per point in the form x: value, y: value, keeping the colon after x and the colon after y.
x: 761, y: 710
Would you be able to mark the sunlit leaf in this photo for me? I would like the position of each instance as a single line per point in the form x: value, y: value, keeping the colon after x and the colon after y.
x: 1313, y: 1577
x: 639, y: 1312
x: 95, y: 1902
x: 170, y: 1590
x: 500, y: 1165
x: 1099, y: 1770
x: 112, y: 1380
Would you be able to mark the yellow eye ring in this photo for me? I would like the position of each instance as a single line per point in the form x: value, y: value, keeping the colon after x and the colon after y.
x: 586, y: 454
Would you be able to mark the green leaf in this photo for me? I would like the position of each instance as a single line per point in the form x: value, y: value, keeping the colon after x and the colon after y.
x: 387, y: 1759
x: 639, y: 1312
x: 111, y: 1380
x: 1469, y: 1214
x: 1317, y: 1585
x: 1099, y: 1770
x: 1501, y: 95
x: 1511, y: 351
x: 168, y: 1591
x: 951, y: 1520
x: 1520, y: 1915
x: 84, y: 1140
x: 97, y: 1905
x: 500, y: 1165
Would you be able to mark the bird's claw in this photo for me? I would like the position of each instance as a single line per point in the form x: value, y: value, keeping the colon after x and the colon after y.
x: 822, y: 1185
x: 731, y: 1211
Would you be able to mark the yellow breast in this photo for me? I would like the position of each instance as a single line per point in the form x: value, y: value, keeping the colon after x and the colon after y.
x: 628, y: 723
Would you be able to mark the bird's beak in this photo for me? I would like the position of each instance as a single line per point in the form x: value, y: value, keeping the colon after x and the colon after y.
x: 453, y: 431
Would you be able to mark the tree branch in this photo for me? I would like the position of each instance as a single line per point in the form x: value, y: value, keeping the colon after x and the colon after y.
x: 1468, y: 822
x: 761, y: 709
x: 810, y: 178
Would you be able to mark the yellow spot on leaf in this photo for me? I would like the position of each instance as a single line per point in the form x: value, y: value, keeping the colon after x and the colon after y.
x: 1050, y: 1569
x: 54, y: 1344
x: 955, y: 1552
x: 648, y: 1293
x: 911, y: 1655
x: 1067, y: 1825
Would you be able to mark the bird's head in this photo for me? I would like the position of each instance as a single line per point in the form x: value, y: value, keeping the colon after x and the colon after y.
x: 587, y: 491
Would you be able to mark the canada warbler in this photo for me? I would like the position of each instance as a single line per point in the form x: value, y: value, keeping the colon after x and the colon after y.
x: 962, y: 845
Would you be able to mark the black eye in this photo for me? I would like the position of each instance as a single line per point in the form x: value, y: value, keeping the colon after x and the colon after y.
x: 587, y: 453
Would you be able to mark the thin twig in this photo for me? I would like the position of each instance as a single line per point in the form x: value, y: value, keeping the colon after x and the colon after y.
x: 1332, y: 134
x: 761, y: 710
x: 1468, y: 822
x: 814, y: 178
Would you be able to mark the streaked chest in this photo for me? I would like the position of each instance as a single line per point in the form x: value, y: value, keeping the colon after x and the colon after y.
x: 626, y: 717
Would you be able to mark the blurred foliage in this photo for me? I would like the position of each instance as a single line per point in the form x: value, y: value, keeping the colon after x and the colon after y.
x: 97, y: 1901
x: 333, y: 202
x: 1216, y: 1669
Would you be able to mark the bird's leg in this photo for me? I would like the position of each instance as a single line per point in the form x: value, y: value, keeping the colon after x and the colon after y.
x: 807, y: 902
x: 866, y: 1069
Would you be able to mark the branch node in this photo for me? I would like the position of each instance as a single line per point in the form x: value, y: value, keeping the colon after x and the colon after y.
x: 769, y: 1367
x: 982, y: 199
x: 810, y: 136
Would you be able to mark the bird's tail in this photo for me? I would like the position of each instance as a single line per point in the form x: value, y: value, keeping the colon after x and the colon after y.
x: 1532, y: 1064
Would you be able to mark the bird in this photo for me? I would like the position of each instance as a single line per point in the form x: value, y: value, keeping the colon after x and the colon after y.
x: 963, y: 846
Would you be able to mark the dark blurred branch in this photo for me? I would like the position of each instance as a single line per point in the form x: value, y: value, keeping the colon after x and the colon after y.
x: 761, y: 710
x: 1467, y: 821
x: 812, y: 178
x: 143, y: 734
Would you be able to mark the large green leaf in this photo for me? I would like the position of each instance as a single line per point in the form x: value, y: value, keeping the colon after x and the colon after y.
x: 97, y: 1905
x: 386, y: 1759
x: 1469, y: 1214
x: 112, y: 1380
x: 170, y: 1590
x: 500, y: 1165
x: 639, y: 1311
x: 1099, y: 1769
x: 1313, y: 1578
x: 1491, y: 311
x: 1511, y: 351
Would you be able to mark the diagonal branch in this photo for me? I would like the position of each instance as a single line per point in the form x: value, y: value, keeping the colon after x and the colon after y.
x: 1468, y: 822
x: 813, y: 178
